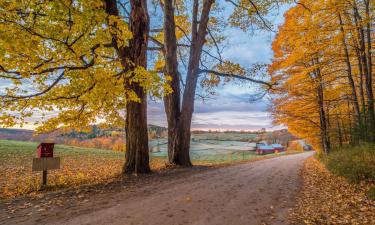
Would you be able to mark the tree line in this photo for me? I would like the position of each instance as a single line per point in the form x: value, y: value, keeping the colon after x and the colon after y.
x: 323, y: 64
x: 76, y: 62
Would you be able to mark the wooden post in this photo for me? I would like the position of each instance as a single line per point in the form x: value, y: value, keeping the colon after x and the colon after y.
x: 44, y: 180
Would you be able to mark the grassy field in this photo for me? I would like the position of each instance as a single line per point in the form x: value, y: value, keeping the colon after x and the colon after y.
x: 81, y: 166
x: 225, y: 136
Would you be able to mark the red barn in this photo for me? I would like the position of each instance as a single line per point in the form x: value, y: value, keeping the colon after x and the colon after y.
x: 278, y: 148
x: 265, y: 149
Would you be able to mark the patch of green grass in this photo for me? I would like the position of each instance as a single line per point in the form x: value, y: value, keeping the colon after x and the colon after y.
x: 354, y: 163
x: 371, y: 193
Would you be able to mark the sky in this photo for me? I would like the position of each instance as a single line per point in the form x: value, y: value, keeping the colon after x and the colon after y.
x: 231, y: 108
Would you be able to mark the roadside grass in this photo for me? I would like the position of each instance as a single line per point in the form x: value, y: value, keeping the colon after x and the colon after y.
x: 356, y: 164
x: 83, y: 166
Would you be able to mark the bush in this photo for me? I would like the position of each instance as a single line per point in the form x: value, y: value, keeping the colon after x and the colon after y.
x: 355, y: 163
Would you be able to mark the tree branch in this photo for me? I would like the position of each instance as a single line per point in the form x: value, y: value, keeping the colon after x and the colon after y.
x: 39, y: 93
x: 235, y: 76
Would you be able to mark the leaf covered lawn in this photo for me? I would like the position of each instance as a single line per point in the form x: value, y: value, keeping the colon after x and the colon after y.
x: 330, y: 199
x: 79, y: 166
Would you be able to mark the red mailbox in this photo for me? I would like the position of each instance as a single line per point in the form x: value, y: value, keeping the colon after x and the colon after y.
x: 45, y: 150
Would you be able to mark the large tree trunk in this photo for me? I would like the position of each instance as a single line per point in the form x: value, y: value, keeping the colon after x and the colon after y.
x: 172, y: 101
x: 179, y: 121
x: 198, y: 38
x: 137, y: 158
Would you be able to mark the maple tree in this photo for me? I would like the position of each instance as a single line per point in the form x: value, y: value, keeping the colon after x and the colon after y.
x: 80, y: 60
x: 322, y: 65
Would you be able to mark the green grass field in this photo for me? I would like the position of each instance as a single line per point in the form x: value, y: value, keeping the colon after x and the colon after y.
x: 80, y: 166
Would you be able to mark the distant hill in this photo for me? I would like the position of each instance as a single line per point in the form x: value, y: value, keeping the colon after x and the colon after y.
x: 64, y: 135
x: 16, y: 134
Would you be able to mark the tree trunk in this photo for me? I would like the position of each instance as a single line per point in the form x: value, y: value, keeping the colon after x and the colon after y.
x: 369, y: 89
x: 361, y: 92
x: 361, y: 82
x: 357, y: 132
x: 367, y: 70
x: 322, y: 113
x: 350, y: 122
x: 198, y: 39
x: 137, y: 154
x: 179, y: 121
x: 172, y: 101
x: 339, y: 131
x: 137, y: 158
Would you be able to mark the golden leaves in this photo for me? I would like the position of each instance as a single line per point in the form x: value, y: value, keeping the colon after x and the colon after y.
x: 329, y: 199
x: 69, y: 43
x: 120, y: 29
x: 79, y: 166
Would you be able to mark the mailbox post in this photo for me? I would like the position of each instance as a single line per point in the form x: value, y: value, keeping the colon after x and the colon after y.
x: 45, y: 160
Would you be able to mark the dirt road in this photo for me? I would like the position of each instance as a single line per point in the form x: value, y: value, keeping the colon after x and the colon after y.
x: 251, y: 193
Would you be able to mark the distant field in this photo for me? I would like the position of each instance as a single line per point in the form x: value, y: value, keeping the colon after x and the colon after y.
x: 92, y: 166
x: 225, y: 136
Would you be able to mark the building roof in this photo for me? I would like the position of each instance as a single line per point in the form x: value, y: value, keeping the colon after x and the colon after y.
x: 277, y: 146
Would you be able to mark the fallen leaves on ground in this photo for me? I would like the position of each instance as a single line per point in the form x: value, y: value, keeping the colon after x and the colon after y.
x: 79, y: 166
x: 330, y: 199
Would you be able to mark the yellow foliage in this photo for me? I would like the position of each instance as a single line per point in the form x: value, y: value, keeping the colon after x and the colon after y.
x: 60, y: 63
x: 310, y: 42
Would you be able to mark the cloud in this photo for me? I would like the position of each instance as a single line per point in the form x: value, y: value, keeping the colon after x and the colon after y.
x: 227, y: 111
x: 246, y: 50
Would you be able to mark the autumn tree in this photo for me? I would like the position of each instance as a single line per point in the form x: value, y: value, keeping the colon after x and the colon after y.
x: 80, y: 60
x: 191, y: 41
x: 323, y: 73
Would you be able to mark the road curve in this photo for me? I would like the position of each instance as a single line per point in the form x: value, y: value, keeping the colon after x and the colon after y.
x: 259, y: 192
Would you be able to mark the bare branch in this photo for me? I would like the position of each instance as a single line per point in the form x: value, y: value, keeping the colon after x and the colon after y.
x: 235, y: 76
x: 256, y: 11
x: 303, y: 5
x: 215, y: 43
x: 155, y: 30
x: 58, y: 79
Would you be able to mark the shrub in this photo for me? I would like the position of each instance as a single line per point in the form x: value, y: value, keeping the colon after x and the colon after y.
x: 355, y: 163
